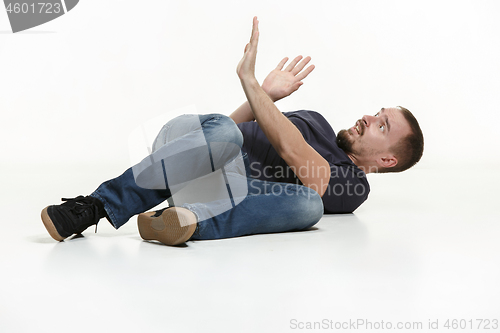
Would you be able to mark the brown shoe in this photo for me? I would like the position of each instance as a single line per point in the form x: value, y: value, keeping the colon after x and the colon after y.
x: 171, y: 226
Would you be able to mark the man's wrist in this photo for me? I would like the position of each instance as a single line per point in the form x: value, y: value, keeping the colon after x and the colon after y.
x: 250, y: 85
x: 249, y: 81
x: 265, y: 88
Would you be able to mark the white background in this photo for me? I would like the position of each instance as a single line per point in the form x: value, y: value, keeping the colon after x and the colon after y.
x: 74, y: 88
x: 424, y: 246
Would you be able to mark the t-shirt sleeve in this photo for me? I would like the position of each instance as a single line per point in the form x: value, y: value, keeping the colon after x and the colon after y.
x: 346, y: 191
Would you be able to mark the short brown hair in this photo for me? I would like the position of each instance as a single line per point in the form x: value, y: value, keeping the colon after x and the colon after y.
x: 409, y: 149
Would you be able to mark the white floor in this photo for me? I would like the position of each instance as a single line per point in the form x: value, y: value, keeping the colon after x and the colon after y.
x: 425, y: 246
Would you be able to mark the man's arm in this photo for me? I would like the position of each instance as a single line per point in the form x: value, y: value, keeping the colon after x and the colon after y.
x: 242, y: 114
x: 277, y: 85
x: 309, y: 166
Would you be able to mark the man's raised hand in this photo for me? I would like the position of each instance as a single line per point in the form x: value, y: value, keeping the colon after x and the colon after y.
x: 282, y: 82
x: 246, y: 66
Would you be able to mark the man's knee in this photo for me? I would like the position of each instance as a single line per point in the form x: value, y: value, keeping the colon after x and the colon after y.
x: 311, y: 208
x: 175, y: 128
x: 221, y: 128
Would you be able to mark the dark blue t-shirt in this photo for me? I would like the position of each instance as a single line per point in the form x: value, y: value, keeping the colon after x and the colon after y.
x: 348, y: 187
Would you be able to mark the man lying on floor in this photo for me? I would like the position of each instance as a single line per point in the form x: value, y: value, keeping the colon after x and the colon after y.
x: 280, y: 171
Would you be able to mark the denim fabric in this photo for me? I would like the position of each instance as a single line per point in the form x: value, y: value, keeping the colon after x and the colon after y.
x: 195, y: 154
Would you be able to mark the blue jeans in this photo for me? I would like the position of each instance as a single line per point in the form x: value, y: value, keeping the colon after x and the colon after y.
x: 190, y: 148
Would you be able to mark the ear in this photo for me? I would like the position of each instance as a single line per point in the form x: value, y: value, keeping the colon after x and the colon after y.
x: 388, y: 161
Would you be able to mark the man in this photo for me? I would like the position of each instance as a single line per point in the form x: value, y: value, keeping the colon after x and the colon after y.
x: 282, y: 171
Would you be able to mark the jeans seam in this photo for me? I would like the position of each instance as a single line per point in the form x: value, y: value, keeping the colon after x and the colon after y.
x: 213, y: 119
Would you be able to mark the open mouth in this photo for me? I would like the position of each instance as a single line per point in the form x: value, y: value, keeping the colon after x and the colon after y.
x: 358, y: 128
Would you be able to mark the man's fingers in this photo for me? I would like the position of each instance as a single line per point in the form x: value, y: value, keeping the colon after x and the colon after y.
x: 301, y: 65
x: 305, y: 73
x: 254, y: 39
x: 293, y: 63
x: 252, y: 46
x: 255, y: 29
x: 282, y: 63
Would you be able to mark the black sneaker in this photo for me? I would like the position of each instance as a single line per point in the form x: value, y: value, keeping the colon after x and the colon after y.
x: 72, y: 217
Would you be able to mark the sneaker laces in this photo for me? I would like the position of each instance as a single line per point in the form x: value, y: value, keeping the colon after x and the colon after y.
x: 80, y: 205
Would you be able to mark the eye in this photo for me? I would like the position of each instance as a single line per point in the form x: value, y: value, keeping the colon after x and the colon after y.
x: 376, y: 115
x: 382, y: 127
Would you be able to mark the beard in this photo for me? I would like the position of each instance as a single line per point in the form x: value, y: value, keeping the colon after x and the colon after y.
x: 344, y: 142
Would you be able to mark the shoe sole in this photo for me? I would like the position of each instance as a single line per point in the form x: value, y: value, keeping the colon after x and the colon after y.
x: 173, y: 227
x: 49, y: 225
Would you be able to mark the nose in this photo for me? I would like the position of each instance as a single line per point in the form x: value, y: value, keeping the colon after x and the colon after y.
x: 368, y: 120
